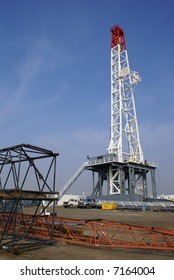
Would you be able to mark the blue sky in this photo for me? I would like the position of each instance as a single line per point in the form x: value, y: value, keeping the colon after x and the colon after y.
x: 55, y: 78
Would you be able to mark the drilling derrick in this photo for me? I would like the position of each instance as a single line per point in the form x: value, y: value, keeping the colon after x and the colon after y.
x: 125, y: 142
x: 123, y: 169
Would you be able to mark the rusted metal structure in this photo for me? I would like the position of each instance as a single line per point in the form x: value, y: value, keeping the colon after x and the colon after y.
x: 21, y: 181
x: 112, y: 235
x: 96, y: 234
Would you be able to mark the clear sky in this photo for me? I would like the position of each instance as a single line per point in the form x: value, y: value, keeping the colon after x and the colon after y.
x: 55, y: 78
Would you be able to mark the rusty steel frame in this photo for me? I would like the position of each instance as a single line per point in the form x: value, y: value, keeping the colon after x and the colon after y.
x: 21, y: 180
x: 112, y: 235
x: 97, y: 234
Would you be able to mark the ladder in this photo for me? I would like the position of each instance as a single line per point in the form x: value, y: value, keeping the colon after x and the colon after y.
x: 72, y: 180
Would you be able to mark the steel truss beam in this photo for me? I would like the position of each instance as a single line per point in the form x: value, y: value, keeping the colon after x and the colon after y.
x: 99, y: 234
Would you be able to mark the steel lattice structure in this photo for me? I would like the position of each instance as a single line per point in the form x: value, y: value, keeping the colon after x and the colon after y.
x: 22, y: 180
x: 125, y: 140
x: 122, y: 174
x: 123, y: 170
x: 97, y: 234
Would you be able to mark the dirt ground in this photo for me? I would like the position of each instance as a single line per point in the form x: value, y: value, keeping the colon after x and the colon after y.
x: 63, y: 251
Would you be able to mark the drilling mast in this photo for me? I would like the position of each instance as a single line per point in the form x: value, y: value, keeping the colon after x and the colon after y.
x: 123, y: 168
x: 124, y: 140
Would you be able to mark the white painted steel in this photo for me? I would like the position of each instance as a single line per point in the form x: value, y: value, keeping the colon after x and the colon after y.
x: 124, y: 139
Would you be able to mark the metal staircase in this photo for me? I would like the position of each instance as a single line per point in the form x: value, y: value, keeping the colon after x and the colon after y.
x: 72, y: 180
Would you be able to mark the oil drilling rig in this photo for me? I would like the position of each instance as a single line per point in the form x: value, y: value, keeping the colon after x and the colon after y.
x: 123, y: 169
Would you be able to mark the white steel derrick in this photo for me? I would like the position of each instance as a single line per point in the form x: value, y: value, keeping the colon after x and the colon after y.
x: 123, y: 168
x: 124, y: 140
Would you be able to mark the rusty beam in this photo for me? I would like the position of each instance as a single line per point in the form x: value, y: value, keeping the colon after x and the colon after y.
x: 98, y: 234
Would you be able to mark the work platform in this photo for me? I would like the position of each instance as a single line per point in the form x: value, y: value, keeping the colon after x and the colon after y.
x: 128, y: 177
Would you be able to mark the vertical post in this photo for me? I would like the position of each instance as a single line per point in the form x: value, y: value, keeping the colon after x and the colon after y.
x: 144, y: 182
x: 122, y: 181
x: 110, y: 183
x: 93, y: 181
x: 153, y: 182
x: 19, y: 169
x: 131, y: 180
